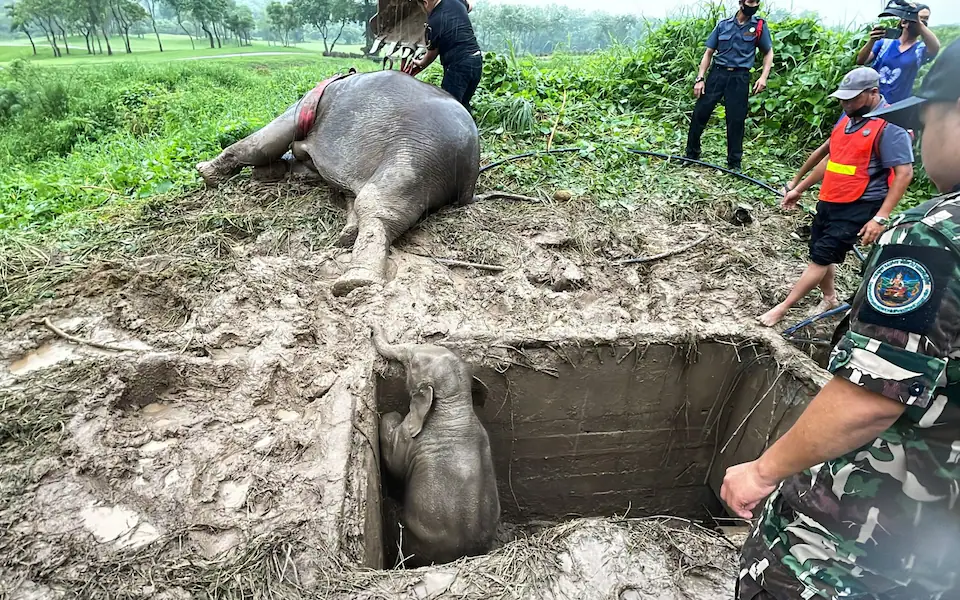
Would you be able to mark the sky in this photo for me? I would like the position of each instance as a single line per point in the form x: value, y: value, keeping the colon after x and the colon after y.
x: 832, y: 12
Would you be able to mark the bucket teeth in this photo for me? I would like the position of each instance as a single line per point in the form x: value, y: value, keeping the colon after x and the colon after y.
x: 390, y: 48
x: 376, y: 45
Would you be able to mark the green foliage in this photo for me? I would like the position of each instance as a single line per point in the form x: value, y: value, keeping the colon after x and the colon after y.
x: 126, y: 131
x: 84, y: 143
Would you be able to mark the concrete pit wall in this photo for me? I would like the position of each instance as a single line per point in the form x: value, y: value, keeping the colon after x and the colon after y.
x: 623, y: 429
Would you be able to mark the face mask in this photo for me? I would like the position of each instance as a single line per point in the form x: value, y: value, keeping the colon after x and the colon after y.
x: 913, y: 29
x: 749, y: 10
x: 859, y: 113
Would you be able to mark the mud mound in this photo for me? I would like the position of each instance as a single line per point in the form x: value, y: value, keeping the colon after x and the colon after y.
x: 194, y: 414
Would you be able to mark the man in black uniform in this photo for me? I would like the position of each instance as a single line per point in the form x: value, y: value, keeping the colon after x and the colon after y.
x: 733, y: 48
x: 450, y: 36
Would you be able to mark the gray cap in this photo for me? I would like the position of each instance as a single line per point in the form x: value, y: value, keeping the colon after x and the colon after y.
x: 856, y: 82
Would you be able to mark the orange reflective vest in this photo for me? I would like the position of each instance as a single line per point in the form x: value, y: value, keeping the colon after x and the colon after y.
x: 847, y: 174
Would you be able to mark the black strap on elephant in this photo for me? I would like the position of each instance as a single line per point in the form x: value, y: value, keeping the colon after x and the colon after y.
x: 307, y: 109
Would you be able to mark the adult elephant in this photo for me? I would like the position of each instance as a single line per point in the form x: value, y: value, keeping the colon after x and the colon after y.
x: 441, y: 452
x: 397, y: 148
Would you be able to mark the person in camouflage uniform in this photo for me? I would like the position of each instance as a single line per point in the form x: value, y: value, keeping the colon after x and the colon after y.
x: 862, y: 492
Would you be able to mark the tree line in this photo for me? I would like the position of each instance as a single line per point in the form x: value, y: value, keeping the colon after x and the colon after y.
x: 97, y: 20
x: 499, y: 27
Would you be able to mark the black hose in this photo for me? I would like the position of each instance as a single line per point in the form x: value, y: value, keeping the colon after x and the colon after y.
x: 765, y: 186
x: 635, y: 151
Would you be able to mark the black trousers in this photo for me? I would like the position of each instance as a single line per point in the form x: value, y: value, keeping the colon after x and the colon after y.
x: 733, y: 87
x: 461, y: 79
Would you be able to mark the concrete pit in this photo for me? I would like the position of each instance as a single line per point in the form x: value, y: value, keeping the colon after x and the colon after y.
x: 630, y: 428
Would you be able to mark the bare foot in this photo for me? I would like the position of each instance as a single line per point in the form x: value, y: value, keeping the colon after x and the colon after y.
x: 772, y: 316
x: 828, y: 303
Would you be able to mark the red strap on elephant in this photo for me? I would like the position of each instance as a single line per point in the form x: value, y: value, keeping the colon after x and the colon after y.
x: 307, y: 111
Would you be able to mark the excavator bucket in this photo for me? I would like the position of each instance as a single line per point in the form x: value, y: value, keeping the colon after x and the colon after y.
x: 399, y: 28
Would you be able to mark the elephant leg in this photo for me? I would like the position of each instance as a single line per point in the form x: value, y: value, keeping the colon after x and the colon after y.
x: 370, y: 248
x: 259, y: 149
x: 350, y: 231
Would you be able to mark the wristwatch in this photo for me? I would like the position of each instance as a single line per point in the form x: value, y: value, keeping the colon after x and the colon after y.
x: 881, y: 220
x: 699, y: 79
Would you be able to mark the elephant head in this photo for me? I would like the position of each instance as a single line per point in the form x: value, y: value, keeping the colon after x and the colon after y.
x: 434, y: 374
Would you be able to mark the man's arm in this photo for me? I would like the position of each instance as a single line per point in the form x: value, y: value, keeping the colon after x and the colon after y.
x: 840, y: 419
x: 902, y: 176
x: 867, y: 54
x: 428, y: 58
x: 815, y: 158
x: 701, y: 86
x: 705, y: 61
x: 930, y: 40
x: 767, y: 65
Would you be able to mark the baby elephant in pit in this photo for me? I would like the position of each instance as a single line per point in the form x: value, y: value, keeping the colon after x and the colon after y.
x: 441, y: 452
x: 399, y: 146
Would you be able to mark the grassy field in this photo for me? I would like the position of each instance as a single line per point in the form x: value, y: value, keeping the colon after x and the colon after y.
x: 145, y: 49
x: 84, y: 152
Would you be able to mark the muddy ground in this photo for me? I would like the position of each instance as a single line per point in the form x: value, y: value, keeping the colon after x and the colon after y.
x: 217, y: 443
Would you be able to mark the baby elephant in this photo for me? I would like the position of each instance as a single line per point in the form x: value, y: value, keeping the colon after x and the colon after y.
x: 441, y: 452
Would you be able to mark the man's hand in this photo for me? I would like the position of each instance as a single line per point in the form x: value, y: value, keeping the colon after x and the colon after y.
x: 760, y: 85
x: 743, y: 488
x: 698, y: 88
x: 870, y: 232
x: 790, y: 199
x: 877, y: 33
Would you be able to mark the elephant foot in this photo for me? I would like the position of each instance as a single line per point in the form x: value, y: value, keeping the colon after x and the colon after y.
x: 271, y: 173
x: 348, y: 236
x: 355, y: 278
x: 212, y: 176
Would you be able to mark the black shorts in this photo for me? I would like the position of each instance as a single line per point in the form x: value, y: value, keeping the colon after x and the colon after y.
x: 835, y: 228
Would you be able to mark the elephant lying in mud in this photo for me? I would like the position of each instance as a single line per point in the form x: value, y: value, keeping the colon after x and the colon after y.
x: 398, y: 146
x: 441, y: 452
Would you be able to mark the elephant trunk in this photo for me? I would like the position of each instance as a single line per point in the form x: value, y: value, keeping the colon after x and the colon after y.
x: 397, y: 352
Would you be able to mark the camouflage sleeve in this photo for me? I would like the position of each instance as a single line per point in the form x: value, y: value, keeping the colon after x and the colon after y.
x: 899, y: 374
x: 905, y: 318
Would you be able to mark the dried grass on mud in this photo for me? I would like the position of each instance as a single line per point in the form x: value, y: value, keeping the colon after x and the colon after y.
x: 249, y: 362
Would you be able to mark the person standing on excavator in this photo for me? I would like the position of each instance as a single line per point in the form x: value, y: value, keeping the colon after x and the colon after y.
x: 450, y: 36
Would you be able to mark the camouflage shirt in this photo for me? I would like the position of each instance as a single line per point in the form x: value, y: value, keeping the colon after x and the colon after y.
x: 883, y: 521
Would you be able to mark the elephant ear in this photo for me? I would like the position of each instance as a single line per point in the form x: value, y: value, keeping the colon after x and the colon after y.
x: 421, y: 402
x: 479, y: 391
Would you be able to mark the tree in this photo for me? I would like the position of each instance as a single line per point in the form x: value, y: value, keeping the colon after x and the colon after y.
x: 180, y: 9
x: 241, y: 23
x: 207, y: 13
x: 125, y: 14
x: 283, y: 19
x: 43, y: 13
x: 151, y: 6
x: 18, y: 22
x: 327, y: 15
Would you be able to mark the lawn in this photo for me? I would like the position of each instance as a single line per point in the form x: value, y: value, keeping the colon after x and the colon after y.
x: 145, y: 49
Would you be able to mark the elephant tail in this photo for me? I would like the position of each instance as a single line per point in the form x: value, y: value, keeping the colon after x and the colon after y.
x: 502, y: 196
x: 397, y: 352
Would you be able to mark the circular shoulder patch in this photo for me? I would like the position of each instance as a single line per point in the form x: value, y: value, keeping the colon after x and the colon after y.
x: 899, y: 286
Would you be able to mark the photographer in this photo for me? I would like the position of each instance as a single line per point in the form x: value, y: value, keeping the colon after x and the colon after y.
x: 898, y: 60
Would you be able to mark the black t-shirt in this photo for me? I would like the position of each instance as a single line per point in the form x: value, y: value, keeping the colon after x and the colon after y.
x: 449, y: 31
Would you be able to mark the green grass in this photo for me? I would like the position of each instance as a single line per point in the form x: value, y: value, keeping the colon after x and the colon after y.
x: 175, y: 47
x: 83, y: 150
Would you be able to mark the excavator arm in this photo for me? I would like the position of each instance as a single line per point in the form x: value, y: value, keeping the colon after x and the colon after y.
x: 399, y: 30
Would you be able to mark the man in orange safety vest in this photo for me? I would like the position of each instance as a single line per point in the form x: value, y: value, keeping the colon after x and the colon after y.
x: 869, y: 167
